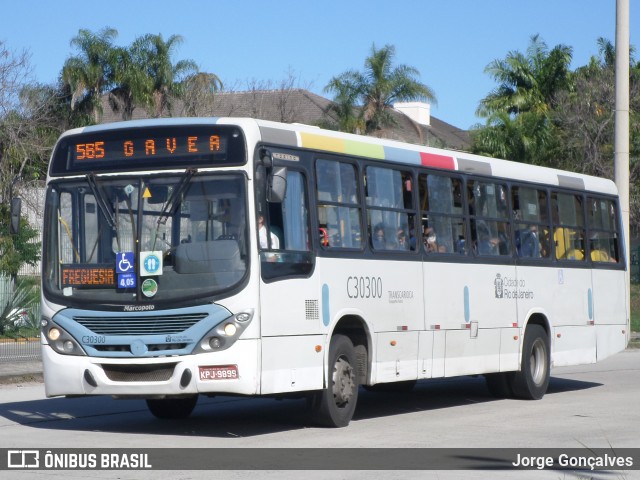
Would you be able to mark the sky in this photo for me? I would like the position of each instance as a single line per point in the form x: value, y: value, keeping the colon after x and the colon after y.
x: 264, y: 42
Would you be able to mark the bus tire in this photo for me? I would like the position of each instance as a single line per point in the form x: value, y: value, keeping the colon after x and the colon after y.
x: 499, y: 384
x: 532, y: 381
x: 172, y: 408
x: 334, y: 405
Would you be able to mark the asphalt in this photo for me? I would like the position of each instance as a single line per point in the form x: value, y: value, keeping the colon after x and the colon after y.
x: 31, y: 370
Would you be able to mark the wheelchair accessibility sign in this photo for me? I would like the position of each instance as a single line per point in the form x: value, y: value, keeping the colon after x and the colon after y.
x: 150, y: 263
x: 124, y: 262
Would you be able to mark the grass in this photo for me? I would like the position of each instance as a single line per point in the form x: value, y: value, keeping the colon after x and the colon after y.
x: 635, y: 307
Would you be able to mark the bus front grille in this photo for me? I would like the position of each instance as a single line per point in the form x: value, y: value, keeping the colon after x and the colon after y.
x: 139, y: 373
x: 147, y: 325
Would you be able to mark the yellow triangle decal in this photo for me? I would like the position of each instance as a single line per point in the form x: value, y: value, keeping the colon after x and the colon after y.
x: 146, y: 193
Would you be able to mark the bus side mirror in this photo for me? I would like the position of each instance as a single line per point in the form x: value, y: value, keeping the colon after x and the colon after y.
x: 16, y: 207
x: 277, y: 185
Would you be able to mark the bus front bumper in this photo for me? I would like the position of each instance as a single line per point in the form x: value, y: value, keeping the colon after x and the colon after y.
x: 232, y: 371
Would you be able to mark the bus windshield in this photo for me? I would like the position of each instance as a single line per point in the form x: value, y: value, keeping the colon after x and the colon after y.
x: 151, y: 239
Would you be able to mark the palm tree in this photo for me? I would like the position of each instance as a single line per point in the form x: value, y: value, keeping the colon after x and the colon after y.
x: 519, y: 123
x: 198, y: 91
x: 130, y: 84
x: 527, y: 83
x: 89, y: 74
x: 154, y: 56
x: 344, y: 105
x: 376, y: 90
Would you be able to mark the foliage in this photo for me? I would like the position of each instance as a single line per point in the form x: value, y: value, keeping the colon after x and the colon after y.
x: 143, y: 74
x: 25, y: 295
x: 585, y: 120
x: 162, y: 78
x: 90, y: 73
x: 16, y: 250
x: 519, y: 123
x: 199, y: 88
x: 543, y: 113
x: 635, y: 307
x: 364, y: 100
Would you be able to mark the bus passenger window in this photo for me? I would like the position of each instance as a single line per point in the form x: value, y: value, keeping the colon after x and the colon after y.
x: 390, y: 210
x: 442, y: 216
x: 338, y: 207
x: 568, y: 226
x: 489, y: 211
x: 604, y: 245
x: 532, y: 231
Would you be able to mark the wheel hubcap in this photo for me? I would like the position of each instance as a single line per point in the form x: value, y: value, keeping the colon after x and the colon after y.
x: 343, y: 382
x: 538, y: 362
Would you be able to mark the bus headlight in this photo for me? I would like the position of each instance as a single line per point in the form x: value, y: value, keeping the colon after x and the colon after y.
x: 230, y: 329
x: 53, y: 334
x: 225, y: 334
x: 58, y: 339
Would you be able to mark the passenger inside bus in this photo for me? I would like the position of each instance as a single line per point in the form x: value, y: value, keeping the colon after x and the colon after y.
x: 262, y: 235
x: 378, y: 238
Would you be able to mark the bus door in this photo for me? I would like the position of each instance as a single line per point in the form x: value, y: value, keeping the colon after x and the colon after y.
x: 289, y: 302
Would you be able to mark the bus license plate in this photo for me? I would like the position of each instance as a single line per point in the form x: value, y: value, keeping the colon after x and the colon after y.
x: 219, y: 372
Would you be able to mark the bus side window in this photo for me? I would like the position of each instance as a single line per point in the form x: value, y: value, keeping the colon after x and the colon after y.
x: 390, y: 210
x: 339, y: 215
x: 604, y: 245
x: 442, y: 217
x: 530, y: 213
x: 288, y: 222
x: 489, y: 213
x: 568, y: 226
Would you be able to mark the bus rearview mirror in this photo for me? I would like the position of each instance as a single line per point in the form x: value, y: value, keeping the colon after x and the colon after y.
x: 277, y: 185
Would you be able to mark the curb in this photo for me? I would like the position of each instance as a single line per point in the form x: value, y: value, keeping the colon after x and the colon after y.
x: 19, y: 340
x: 35, y: 377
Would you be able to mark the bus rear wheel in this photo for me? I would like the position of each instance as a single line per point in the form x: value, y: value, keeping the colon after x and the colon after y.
x: 532, y: 381
x: 172, y: 408
x: 334, y: 406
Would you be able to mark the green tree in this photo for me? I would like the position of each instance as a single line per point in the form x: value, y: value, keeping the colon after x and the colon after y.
x: 131, y: 83
x: 585, y: 120
x: 198, y: 92
x: 164, y: 79
x: 16, y: 250
x: 90, y: 74
x: 519, y: 125
x: 366, y: 98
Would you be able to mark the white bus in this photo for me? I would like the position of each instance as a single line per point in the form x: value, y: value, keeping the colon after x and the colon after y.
x: 243, y: 257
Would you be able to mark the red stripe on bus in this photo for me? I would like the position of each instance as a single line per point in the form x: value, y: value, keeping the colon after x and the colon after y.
x: 438, y: 161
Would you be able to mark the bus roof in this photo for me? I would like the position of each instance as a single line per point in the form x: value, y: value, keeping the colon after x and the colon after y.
x: 314, y: 138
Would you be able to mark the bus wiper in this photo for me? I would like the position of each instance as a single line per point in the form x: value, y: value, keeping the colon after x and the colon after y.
x: 173, y: 202
x: 100, y: 200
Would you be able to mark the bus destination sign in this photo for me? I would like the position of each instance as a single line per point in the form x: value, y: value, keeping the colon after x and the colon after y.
x: 149, y: 148
x: 101, y: 149
x: 88, y: 276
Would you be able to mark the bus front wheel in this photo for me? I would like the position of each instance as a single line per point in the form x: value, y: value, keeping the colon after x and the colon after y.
x: 172, y: 407
x: 532, y: 381
x: 334, y: 405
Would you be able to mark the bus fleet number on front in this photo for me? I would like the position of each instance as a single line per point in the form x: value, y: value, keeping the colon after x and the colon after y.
x: 364, y: 287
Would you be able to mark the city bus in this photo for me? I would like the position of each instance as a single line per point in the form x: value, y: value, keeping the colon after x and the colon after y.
x: 234, y: 256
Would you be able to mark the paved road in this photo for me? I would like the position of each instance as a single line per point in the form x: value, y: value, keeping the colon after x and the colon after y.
x: 595, y: 406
